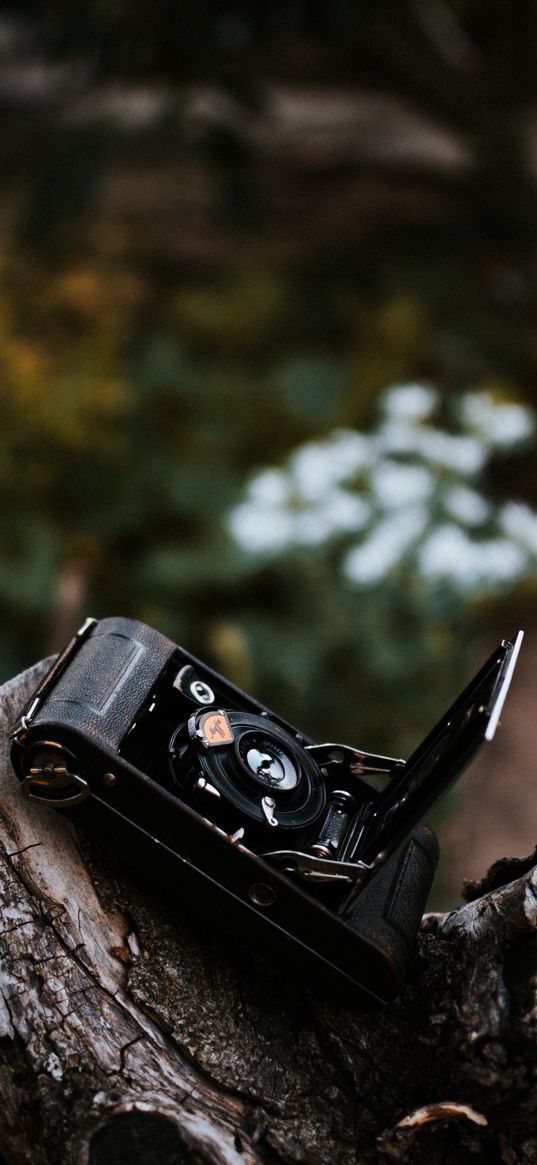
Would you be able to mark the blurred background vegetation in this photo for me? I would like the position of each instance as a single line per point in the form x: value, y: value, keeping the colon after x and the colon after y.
x: 228, y: 230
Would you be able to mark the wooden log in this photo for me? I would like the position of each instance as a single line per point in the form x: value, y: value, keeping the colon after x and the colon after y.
x: 133, y: 1031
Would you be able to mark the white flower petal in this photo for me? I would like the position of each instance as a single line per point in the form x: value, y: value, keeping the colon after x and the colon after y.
x: 345, y: 511
x: 318, y: 466
x: 261, y: 530
x: 270, y: 487
x: 385, y: 547
x: 501, y: 424
x: 466, y: 505
x: 413, y: 402
x: 466, y: 455
x: 519, y: 522
x: 396, y: 485
x: 450, y: 554
x: 398, y: 436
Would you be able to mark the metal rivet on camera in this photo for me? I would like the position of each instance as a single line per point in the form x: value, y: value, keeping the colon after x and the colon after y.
x: 109, y: 779
x: 261, y: 894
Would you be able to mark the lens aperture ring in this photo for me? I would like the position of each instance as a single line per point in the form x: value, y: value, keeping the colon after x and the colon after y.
x: 263, y: 760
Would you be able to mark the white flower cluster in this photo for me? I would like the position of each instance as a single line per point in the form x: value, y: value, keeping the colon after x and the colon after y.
x: 407, y: 491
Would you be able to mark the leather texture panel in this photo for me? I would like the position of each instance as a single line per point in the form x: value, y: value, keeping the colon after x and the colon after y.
x: 108, y: 680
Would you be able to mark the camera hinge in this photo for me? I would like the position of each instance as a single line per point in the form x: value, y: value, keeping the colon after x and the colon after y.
x: 317, y: 869
x: 361, y: 763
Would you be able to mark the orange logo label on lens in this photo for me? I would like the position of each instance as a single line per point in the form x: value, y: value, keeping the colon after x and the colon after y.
x: 215, y: 729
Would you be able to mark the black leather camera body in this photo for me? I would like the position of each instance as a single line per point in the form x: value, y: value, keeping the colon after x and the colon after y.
x: 283, y: 842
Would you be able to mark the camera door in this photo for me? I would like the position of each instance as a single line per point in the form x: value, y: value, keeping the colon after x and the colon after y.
x: 441, y: 757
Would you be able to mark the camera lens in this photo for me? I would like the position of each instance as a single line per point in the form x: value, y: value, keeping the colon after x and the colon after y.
x: 267, y: 761
x: 253, y: 764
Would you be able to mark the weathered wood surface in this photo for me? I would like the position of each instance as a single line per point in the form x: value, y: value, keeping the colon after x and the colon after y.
x: 133, y: 1032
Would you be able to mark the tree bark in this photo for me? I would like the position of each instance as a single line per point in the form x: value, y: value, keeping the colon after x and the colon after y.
x: 133, y: 1031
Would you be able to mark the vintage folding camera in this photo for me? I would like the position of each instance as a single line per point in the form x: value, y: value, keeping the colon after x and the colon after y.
x: 286, y: 843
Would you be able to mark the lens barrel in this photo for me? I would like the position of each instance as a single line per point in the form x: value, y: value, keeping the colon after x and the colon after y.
x: 256, y: 758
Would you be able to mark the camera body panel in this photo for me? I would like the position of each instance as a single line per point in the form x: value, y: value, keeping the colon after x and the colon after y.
x: 231, y: 809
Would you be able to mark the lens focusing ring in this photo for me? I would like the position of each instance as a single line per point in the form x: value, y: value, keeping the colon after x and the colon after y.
x: 263, y: 759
